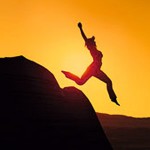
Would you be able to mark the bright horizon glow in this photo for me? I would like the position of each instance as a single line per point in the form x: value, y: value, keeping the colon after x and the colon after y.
x: 47, y: 33
x: 76, y: 62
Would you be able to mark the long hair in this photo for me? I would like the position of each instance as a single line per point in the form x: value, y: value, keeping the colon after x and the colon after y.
x: 90, y: 42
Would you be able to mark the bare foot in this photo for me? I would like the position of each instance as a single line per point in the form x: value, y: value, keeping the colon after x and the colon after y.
x: 66, y: 73
x: 115, y: 101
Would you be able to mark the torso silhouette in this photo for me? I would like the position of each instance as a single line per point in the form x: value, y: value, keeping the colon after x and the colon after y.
x: 97, y: 57
x: 96, y: 54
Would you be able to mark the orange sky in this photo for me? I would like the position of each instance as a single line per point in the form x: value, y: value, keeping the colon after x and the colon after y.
x: 46, y: 32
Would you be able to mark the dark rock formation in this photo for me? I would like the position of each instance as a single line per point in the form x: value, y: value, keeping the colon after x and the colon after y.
x: 36, y: 113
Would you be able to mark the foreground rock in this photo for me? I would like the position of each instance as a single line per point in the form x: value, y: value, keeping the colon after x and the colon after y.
x: 36, y: 113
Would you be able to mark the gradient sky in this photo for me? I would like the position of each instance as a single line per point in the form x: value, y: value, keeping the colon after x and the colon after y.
x: 46, y: 32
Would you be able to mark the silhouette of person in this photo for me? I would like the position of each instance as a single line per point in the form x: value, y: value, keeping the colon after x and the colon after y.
x: 94, y: 67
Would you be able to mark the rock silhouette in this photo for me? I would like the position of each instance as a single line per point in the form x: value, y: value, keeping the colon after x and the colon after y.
x: 36, y: 113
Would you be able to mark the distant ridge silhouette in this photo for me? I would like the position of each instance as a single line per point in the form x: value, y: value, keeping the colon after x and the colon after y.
x: 36, y: 113
x: 126, y: 133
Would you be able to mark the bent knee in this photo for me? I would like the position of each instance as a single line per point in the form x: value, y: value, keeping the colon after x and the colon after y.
x: 109, y: 82
x: 80, y: 82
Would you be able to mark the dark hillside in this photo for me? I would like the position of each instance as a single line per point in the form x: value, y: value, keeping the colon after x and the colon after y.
x: 36, y: 113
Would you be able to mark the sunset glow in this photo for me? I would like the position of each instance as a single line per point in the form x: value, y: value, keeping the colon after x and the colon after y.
x: 47, y: 33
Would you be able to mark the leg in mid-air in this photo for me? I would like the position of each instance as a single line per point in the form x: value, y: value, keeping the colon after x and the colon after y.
x: 103, y: 77
x: 80, y: 81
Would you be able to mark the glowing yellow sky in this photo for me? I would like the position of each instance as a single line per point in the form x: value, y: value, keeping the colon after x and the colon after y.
x: 46, y: 32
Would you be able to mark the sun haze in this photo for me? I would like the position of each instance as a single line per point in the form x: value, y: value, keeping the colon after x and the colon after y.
x: 46, y: 32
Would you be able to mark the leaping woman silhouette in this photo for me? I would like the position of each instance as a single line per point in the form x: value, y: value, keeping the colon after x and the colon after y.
x: 94, y: 67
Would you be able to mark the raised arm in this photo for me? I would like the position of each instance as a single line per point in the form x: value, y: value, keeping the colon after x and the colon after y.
x: 82, y: 32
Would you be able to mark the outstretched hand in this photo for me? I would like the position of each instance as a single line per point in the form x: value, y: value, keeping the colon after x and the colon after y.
x: 80, y: 25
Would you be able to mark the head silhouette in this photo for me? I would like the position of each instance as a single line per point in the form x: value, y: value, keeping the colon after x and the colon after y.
x: 90, y: 43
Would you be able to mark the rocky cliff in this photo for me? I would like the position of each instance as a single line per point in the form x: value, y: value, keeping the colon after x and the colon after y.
x: 36, y: 113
